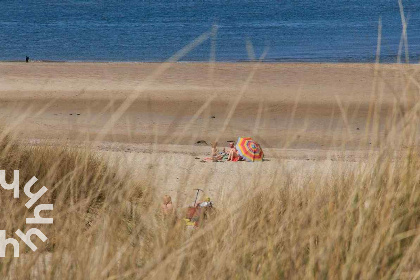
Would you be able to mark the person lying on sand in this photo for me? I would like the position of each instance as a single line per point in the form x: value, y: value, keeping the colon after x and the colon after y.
x: 167, y: 206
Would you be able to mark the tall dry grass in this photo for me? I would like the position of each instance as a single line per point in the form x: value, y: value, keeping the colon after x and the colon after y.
x: 362, y: 224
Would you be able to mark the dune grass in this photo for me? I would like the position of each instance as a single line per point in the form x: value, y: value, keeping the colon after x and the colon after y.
x: 362, y: 224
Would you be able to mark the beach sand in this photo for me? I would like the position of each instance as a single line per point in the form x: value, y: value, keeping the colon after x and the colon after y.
x: 306, y: 116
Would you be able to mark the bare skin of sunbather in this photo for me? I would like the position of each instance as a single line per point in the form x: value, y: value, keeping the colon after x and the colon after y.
x: 167, y: 206
x: 215, y: 153
x: 233, y: 153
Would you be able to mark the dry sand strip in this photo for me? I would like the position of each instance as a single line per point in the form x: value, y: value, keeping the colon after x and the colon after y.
x: 303, y: 106
x: 177, y: 170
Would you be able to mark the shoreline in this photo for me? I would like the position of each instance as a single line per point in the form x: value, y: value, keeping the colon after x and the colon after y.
x: 292, y: 62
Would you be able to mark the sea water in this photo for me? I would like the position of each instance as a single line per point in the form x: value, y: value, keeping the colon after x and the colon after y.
x: 135, y: 30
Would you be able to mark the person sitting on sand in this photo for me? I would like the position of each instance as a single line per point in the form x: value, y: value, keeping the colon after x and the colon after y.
x: 215, y: 153
x: 233, y: 153
x: 167, y: 206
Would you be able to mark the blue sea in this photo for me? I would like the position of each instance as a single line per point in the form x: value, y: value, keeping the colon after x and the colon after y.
x: 135, y: 30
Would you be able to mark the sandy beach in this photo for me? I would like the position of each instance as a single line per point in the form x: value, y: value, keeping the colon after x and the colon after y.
x: 310, y: 106
x: 302, y: 114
